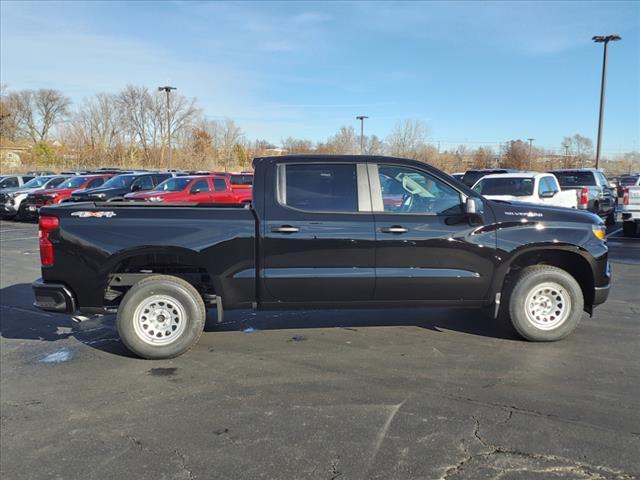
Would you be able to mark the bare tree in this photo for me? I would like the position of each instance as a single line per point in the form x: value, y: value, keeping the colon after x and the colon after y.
x: 230, y: 136
x: 516, y: 155
x: 98, y: 123
x: 296, y: 145
x: 482, y: 158
x: 8, y: 127
x: 580, y: 148
x: 344, y: 142
x: 406, y: 138
x: 373, y: 145
x: 38, y: 111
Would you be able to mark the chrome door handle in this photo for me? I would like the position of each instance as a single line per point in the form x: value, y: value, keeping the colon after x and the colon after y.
x: 285, y: 229
x: 394, y: 229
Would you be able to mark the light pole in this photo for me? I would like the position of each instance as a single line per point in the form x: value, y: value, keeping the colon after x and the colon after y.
x: 530, y: 144
x: 603, y: 39
x: 168, y: 89
x: 361, y: 118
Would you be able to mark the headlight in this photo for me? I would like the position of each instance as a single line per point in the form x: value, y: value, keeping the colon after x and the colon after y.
x: 599, y: 231
x: 156, y: 199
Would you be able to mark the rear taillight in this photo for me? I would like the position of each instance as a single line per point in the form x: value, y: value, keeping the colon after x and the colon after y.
x: 584, y: 196
x: 625, y: 197
x: 47, y: 224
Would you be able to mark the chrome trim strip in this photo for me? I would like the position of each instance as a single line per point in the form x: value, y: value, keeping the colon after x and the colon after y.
x: 377, y: 205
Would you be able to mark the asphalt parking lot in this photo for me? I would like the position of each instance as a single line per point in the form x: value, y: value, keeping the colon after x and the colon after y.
x: 392, y: 394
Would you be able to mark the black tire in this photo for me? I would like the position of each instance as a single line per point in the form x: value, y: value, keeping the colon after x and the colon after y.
x: 21, y: 216
x: 542, y: 278
x: 629, y: 229
x: 611, y: 218
x: 189, y: 309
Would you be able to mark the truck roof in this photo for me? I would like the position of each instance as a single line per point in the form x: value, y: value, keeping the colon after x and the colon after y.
x: 311, y: 157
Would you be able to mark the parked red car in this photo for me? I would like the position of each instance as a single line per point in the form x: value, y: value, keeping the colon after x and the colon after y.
x: 53, y: 196
x: 193, y: 189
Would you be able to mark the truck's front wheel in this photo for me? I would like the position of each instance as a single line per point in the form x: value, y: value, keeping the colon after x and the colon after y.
x: 545, y: 303
x: 161, y: 316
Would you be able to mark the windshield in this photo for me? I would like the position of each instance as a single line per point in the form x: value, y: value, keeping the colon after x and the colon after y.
x: 73, y: 182
x: 515, y: 186
x: 121, y: 181
x: 36, y: 182
x: 241, y: 179
x: 176, y: 184
x: 575, y: 179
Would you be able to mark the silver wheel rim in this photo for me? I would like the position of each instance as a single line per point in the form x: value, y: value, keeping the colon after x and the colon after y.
x: 159, y: 320
x: 547, y: 305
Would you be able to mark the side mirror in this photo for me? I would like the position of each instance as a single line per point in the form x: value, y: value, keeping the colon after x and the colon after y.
x: 548, y: 194
x: 193, y: 191
x: 474, y: 206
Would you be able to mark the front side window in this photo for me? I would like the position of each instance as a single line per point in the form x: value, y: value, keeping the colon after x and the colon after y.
x: 405, y: 190
x: 96, y: 182
x: 319, y: 187
x: 55, y: 182
x: 176, y: 184
x: 144, y: 183
x: 200, y: 185
x: 547, y: 185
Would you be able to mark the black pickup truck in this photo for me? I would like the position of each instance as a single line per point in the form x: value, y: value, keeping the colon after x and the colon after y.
x: 322, y: 232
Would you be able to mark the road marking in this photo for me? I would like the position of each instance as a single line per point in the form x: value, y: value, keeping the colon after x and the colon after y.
x: 14, y: 239
x: 614, y: 232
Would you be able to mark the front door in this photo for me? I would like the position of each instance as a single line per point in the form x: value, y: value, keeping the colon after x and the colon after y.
x: 318, y: 237
x: 427, y: 248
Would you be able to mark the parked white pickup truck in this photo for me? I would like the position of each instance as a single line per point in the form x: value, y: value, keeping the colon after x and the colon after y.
x: 631, y: 209
x: 528, y: 187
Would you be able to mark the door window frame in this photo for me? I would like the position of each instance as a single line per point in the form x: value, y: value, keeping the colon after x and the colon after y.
x: 362, y: 187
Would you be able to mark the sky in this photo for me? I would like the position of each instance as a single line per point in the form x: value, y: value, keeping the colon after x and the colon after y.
x: 476, y: 73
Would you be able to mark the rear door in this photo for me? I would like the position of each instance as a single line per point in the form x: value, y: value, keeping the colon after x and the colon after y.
x: 318, y: 237
x: 427, y: 248
x: 223, y: 193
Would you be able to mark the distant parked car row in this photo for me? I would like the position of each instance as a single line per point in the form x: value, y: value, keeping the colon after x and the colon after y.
x: 585, y: 189
x: 22, y: 196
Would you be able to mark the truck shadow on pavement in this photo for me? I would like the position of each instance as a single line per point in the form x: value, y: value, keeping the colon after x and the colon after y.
x: 20, y: 320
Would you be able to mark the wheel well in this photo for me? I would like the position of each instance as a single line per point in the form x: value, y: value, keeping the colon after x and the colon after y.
x: 132, y: 269
x: 572, y: 263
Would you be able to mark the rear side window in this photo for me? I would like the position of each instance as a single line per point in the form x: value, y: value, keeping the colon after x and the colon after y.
x: 319, y: 187
x: 145, y: 183
x: 575, y: 178
x: 96, y: 182
x: 158, y: 179
x: 241, y: 180
x: 219, y: 184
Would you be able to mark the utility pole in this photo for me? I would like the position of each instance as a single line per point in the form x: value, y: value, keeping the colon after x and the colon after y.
x: 362, y: 119
x: 530, y: 144
x: 603, y: 39
x: 566, y: 156
x: 168, y: 89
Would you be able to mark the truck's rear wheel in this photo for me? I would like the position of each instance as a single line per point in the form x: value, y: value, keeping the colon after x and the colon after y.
x: 161, y: 317
x: 545, y: 303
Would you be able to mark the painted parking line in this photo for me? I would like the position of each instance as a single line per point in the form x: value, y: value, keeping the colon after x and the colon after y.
x: 16, y: 239
x: 614, y: 232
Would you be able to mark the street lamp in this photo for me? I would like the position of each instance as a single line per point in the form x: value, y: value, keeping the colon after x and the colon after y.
x: 361, y: 118
x: 603, y: 39
x: 168, y: 89
x: 530, y: 143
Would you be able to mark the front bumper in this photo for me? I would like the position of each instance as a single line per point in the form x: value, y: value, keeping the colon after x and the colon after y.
x: 601, y: 294
x: 53, y: 297
x: 8, y: 209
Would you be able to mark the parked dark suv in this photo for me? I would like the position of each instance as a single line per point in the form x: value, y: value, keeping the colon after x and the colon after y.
x: 117, y: 187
